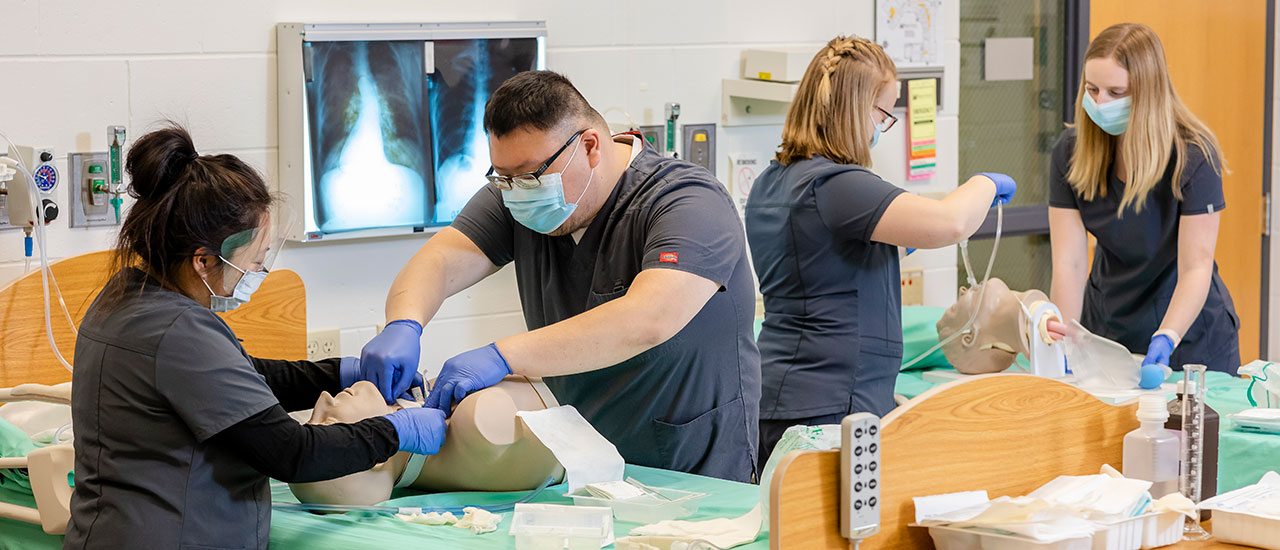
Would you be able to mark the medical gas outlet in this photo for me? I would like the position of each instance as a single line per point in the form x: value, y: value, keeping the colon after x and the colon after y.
x: 20, y: 200
x: 90, y: 190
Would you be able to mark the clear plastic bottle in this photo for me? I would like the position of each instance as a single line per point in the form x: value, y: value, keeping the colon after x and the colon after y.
x: 1151, y: 452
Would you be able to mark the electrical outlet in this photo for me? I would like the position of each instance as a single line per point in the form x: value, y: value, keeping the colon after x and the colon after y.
x: 322, y: 344
x: 913, y: 288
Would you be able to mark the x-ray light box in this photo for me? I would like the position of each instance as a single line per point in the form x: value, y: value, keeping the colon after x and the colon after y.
x: 381, y: 125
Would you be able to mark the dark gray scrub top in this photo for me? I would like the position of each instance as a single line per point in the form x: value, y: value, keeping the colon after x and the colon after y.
x: 691, y: 403
x: 832, y: 336
x: 1135, y: 263
x: 155, y: 377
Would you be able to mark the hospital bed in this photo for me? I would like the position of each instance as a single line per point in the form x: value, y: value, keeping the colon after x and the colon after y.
x: 272, y: 325
x: 1005, y: 433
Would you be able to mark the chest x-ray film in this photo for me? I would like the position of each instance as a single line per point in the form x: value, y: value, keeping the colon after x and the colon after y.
x: 394, y: 133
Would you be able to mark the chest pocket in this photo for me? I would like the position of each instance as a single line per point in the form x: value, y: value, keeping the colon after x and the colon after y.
x: 596, y: 298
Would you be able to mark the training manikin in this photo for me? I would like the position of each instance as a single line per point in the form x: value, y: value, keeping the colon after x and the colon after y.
x: 997, y: 334
x: 486, y: 447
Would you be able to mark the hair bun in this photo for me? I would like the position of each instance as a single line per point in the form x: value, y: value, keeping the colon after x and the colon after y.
x: 158, y: 160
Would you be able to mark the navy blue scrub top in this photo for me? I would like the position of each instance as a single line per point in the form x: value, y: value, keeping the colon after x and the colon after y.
x: 832, y: 336
x: 156, y: 376
x: 1135, y: 263
x: 690, y: 404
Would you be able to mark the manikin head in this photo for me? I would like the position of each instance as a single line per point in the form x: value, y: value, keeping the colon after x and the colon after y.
x: 486, y: 447
x: 996, y: 337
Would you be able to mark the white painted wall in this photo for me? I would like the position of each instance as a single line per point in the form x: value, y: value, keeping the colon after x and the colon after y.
x: 70, y: 68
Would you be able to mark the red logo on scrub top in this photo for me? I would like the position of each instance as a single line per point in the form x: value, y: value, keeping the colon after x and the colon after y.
x: 669, y: 257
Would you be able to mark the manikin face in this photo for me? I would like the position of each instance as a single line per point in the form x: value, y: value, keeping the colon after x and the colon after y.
x: 996, y: 337
x: 358, y: 402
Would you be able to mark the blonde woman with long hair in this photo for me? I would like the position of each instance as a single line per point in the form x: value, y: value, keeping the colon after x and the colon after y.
x: 824, y: 231
x: 1143, y: 175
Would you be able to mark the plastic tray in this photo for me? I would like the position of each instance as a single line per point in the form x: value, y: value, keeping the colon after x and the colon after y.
x: 645, y: 509
x: 1145, y: 531
x: 955, y: 538
x: 1246, y: 529
x: 558, y: 527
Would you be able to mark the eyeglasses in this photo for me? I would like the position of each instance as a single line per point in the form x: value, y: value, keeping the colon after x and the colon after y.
x: 528, y: 180
x: 889, y: 120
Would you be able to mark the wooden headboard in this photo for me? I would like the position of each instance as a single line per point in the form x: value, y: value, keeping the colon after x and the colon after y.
x: 273, y: 324
x: 1006, y: 433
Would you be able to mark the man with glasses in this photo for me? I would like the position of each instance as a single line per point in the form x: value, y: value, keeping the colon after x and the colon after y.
x: 633, y: 276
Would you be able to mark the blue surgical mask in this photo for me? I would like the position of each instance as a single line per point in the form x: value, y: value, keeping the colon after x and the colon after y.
x: 543, y: 208
x: 245, y: 287
x: 875, y: 132
x: 1112, y: 116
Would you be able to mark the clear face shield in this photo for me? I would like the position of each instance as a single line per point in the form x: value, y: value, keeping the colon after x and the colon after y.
x: 247, y: 257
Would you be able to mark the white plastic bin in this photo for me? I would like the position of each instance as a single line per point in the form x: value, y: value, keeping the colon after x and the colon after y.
x: 1145, y: 531
x: 1163, y: 530
x: 1246, y: 529
x: 954, y: 538
x: 559, y: 527
x: 645, y: 509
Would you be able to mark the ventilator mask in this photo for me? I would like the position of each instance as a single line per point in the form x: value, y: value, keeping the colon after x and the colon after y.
x: 1112, y: 116
x: 543, y: 208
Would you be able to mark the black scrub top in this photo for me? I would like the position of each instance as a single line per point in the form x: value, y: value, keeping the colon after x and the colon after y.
x: 155, y: 377
x: 690, y: 404
x: 1135, y: 263
x: 832, y: 336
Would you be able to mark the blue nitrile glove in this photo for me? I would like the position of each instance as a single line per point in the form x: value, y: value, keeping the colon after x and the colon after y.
x: 420, y: 429
x: 467, y: 372
x: 1158, y: 352
x: 1005, y: 187
x: 349, y: 373
x: 391, y: 359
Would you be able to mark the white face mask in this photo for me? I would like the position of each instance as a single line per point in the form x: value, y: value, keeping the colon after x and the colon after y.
x: 245, y: 287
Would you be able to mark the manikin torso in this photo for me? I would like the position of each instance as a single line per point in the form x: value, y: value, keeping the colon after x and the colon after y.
x: 486, y: 447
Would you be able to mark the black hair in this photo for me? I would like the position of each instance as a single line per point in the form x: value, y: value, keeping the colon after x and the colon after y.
x: 187, y: 204
x: 539, y: 99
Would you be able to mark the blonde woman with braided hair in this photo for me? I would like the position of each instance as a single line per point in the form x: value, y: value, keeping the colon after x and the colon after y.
x: 1143, y: 175
x: 824, y: 231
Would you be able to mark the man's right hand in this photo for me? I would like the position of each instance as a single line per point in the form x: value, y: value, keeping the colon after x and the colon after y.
x: 390, y: 360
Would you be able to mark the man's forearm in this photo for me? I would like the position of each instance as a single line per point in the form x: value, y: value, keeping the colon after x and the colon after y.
x: 600, y: 337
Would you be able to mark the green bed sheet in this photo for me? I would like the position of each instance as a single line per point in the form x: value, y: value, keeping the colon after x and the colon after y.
x: 301, y: 530
x: 1243, y: 458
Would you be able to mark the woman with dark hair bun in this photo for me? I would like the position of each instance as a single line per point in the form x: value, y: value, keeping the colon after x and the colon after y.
x: 177, y: 429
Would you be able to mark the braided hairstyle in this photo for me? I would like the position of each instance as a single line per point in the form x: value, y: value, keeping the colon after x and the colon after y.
x: 831, y: 113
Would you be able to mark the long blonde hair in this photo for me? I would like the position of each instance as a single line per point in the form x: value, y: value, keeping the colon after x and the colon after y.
x: 831, y: 112
x: 1159, y: 124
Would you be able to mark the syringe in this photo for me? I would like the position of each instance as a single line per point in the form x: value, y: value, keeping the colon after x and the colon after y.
x: 1193, y: 392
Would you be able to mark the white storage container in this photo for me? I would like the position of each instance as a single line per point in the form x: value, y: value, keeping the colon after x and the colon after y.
x: 1145, y: 531
x: 559, y: 527
x: 645, y: 509
x: 954, y: 538
x: 1246, y: 529
x: 1163, y: 530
